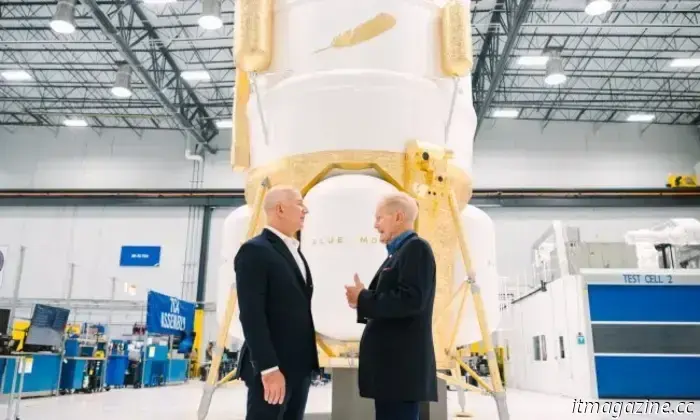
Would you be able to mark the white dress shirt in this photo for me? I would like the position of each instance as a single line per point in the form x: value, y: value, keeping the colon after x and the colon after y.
x: 293, y: 246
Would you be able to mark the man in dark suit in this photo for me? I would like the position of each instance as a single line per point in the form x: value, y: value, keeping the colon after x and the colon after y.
x: 397, y: 358
x: 274, y: 288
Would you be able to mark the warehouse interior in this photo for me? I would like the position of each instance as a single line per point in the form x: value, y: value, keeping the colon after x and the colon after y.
x: 116, y: 184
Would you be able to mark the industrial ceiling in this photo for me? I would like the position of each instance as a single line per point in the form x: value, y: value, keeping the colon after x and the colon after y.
x: 547, y: 60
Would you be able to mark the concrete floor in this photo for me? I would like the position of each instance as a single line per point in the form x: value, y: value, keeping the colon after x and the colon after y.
x: 180, y: 403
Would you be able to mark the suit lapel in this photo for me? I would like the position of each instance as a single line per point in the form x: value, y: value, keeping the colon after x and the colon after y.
x: 375, y: 281
x: 309, y: 281
x: 281, y: 247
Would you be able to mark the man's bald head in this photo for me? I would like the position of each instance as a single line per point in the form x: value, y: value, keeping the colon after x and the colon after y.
x: 396, y: 213
x: 279, y: 194
x: 284, y: 208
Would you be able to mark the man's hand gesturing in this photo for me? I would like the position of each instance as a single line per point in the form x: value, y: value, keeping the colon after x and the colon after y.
x: 274, y: 386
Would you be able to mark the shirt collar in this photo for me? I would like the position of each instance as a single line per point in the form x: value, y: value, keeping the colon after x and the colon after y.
x: 292, y: 242
x: 396, y: 243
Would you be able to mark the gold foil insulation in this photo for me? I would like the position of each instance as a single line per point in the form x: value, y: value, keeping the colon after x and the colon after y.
x: 240, y: 149
x: 253, y: 34
x: 455, y: 39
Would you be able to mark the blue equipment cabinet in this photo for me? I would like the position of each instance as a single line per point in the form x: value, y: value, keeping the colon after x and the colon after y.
x: 117, y: 366
x: 645, y: 329
x: 177, y: 373
x: 81, y: 371
x: 154, y: 365
x: 41, y: 374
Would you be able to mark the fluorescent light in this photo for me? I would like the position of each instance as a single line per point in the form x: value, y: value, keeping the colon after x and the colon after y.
x: 641, y: 118
x: 121, y: 92
x: 16, y: 75
x: 505, y: 113
x: 63, y: 21
x: 555, y: 79
x: 686, y: 62
x: 75, y: 122
x: 533, y: 60
x: 195, y: 75
x: 555, y: 72
x: 210, y: 23
x: 211, y: 15
x: 224, y: 124
x: 598, y: 7
x: 62, y: 27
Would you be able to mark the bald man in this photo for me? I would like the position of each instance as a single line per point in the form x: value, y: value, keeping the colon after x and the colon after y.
x: 274, y: 288
x: 397, y: 358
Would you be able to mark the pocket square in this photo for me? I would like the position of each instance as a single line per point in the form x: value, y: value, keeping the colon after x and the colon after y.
x: 386, y: 269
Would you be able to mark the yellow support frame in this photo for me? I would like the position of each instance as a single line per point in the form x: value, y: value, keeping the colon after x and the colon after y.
x: 425, y: 178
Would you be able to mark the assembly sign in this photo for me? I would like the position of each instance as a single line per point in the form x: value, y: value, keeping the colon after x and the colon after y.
x: 168, y: 315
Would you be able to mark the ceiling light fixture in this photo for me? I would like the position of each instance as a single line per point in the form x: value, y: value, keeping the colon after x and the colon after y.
x: 75, y: 122
x: 122, y: 83
x: 555, y: 71
x: 533, y: 60
x: 195, y: 75
x: 641, y: 118
x: 597, y: 7
x: 63, y: 21
x: 505, y: 113
x: 211, y: 15
x: 224, y: 124
x: 16, y: 75
x: 686, y: 62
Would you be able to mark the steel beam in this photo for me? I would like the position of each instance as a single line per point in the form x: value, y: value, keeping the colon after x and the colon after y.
x: 628, y: 198
x: 203, y: 256
x: 512, y: 27
x: 201, y: 134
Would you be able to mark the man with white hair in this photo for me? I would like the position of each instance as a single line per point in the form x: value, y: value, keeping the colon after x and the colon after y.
x: 275, y: 288
x: 397, y: 357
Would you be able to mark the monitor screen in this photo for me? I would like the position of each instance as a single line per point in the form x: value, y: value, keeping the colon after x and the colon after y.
x: 47, y: 326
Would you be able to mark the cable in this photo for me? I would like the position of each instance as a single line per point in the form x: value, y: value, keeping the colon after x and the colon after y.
x: 254, y: 82
x: 451, y: 111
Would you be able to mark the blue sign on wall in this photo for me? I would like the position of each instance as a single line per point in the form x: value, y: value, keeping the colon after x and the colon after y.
x: 140, y: 256
x: 168, y: 315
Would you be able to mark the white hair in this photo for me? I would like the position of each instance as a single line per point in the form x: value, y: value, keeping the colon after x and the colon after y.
x: 403, y: 203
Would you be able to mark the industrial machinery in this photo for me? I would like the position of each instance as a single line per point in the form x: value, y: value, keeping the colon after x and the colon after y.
x: 347, y: 118
x: 84, y: 361
x: 41, y: 353
x: 117, y: 364
x: 672, y: 244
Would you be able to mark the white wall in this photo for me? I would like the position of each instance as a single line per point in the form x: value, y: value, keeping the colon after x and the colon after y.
x: 80, y: 158
x: 524, y: 154
x: 557, y: 312
x: 508, y: 154
x: 88, y: 241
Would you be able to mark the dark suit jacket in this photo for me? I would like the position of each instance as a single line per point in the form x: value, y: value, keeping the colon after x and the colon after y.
x: 397, y: 357
x: 275, y: 310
